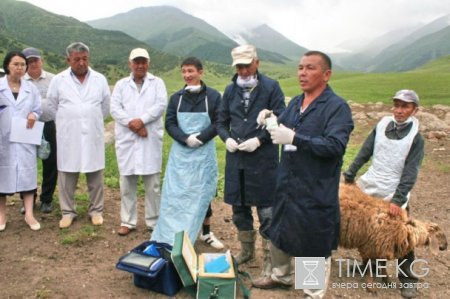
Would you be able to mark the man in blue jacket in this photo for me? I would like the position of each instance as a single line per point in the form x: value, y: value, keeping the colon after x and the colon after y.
x: 314, y: 130
x: 251, y: 158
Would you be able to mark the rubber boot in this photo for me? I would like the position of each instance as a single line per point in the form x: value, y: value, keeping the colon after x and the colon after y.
x: 267, y: 261
x: 247, y: 239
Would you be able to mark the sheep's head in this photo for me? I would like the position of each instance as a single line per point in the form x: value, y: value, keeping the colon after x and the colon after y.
x: 427, y: 234
x: 436, y: 238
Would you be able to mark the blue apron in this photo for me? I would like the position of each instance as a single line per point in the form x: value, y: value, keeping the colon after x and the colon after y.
x: 190, y: 182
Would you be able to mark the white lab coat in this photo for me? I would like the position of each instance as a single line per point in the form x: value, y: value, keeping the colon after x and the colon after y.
x: 137, y: 155
x: 18, y: 162
x: 79, y: 120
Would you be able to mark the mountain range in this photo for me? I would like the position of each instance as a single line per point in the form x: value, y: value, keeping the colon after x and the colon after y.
x: 184, y: 35
x: 398, y: 50
x: 23, y: 25
x: 169, y: 34
x: 401, y: 50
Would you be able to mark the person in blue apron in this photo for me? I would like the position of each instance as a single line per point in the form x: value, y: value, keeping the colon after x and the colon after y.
x: 191, y: 175
x: 397, y: 149
x: 314, y: 130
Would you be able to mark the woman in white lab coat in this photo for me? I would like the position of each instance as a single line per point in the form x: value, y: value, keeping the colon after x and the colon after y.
x: 18, y: 163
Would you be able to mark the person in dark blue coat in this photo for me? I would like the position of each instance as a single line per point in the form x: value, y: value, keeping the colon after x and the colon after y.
x: 251, y: 158
x: 314, y: 130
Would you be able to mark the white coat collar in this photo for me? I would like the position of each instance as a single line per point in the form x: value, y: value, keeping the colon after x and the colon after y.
x: 147, y: 77
x: 25, y: 89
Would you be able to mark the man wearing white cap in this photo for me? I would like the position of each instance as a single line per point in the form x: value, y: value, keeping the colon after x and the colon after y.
x: 397, y: 149
x: 41, y: 79
x: 251, y: 158
x: 138, y: 103
x: 78, y: 100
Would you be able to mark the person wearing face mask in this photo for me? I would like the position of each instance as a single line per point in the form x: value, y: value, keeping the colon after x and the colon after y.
x: 190, y: 180
x: 397, y: 149
x: 251, y: 157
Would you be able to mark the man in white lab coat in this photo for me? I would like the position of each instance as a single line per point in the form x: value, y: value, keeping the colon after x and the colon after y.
x: 137, y: 105
x: 79, y: 97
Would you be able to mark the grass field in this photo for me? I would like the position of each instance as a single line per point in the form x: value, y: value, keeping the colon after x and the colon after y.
x: 432, y: 88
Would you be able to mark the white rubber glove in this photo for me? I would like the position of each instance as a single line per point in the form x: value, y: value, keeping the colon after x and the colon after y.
x: 261, y: 119
x: 282, y: 135
x: 192, y: 140
x: 249, y: 145
x: 231, y: 145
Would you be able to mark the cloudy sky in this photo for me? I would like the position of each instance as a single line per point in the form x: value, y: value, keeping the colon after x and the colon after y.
x: 314, y: 24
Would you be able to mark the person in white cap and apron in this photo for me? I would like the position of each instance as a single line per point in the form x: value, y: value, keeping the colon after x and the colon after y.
x: 190, y: 180
x: 397, y: 149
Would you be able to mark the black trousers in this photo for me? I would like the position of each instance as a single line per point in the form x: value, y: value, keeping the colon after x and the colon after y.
x: 406, y: 275
x: 49, y: 166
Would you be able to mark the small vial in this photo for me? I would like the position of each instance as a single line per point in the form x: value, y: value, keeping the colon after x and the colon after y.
x: 271, y: 123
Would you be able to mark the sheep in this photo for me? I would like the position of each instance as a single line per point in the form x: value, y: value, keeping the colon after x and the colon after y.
x: 367, y: 226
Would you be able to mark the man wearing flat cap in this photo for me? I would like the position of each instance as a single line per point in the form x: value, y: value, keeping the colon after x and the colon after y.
x: 138, y: 103
x: 397, y: 149
x: 41, y: 79
x: 251, y: 158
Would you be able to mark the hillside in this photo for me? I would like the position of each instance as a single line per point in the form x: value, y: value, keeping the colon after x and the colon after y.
x: 419, y: 52
x: 185, y: 35
x: 437, y: 66
x: 412, y: 50
x: 23, y: 24
x: 264, y: 37
x: 398, y: 50
x: 360, y: 54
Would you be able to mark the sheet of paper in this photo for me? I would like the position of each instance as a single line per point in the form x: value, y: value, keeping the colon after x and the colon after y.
x: 20, y: 133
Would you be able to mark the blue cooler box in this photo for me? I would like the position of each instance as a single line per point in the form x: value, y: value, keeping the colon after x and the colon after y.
x: 155, y: 273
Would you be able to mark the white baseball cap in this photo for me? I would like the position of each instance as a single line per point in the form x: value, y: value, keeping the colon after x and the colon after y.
x: 243, y: 54
x: 139, y: 52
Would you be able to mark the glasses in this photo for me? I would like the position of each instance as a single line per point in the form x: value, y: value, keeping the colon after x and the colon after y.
x: 18, y: 64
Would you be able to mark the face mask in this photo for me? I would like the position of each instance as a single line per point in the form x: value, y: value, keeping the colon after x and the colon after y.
x: 193, y: 88
x: 407, y: 121
x: 248, y: 82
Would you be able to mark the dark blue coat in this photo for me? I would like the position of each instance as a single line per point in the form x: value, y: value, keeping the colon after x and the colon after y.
x: 193, y: 102
x: 305, y: 221
x: 259, y: 166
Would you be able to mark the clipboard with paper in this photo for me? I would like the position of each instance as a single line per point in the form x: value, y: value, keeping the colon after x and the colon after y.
x: 21, y: 134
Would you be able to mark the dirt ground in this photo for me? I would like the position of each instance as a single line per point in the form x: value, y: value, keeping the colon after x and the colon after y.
x: 80, y: 262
